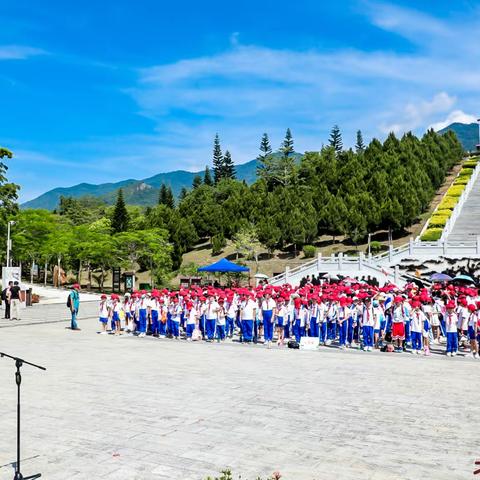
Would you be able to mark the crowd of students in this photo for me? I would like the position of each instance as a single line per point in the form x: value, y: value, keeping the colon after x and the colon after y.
x: 347, y: 315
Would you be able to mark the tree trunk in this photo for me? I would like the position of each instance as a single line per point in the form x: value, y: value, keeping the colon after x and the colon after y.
x: 102, y: 279
x: 89, y: 277
x: 46, y: 274
x: 79, y: 280
x: 31, y: 272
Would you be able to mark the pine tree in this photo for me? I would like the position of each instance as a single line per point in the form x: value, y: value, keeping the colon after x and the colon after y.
x: 228, y: 166
x: 169, y: 198
x: 359, y: 146
x: 265, y: 162
x: 197, y: 181
x: 336, y: 139
x: 218, y: 165
x: 284, y: 168
x: 162, y: 196
x: 184, y: 192
x: 287, y: 144
x: 120, y: 217
x: 207, y: 178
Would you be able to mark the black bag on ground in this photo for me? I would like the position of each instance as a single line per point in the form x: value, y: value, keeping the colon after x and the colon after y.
x: 293, y: 344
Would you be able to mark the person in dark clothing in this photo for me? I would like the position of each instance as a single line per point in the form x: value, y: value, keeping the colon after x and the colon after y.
x: 15, y: 300
x: 6, y: 299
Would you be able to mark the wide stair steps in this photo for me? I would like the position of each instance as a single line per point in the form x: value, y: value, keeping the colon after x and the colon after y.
x: 467, y: 226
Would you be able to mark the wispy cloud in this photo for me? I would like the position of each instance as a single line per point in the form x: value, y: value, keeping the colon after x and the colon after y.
x: 19, y: 52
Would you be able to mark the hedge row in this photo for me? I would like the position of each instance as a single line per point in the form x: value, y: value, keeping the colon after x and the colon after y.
x: 455, y: 190
x: 431, y: 234
x: 438, y: 221
x: 444, y: 210
x: 448, y: 203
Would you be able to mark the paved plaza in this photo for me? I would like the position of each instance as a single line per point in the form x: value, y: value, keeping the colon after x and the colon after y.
x: 126, y: 408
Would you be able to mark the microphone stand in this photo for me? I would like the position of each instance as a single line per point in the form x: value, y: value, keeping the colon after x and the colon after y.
x: 18, y: 380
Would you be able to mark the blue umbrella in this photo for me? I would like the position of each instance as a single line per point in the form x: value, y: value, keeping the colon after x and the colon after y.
x: 440, y: 277
x: 464, y: 278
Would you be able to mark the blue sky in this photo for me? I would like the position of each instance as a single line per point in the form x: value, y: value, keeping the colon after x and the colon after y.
x: 103, y: 91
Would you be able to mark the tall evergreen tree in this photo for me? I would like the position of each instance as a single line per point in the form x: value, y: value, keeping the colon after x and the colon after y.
x: 359, y: 146
x: 207, y: 178
x: 284, y: 168
x: 287, y: 144
x: 335, y: 140
x: 228, y: 166
x: 197, y: 181
x: 265, y: 148
x: 162, y: 196
x: 169, y: 198
x: 120, y: 217
x: 266, y: 161
x: 183, y: 193
x: 218, y: 169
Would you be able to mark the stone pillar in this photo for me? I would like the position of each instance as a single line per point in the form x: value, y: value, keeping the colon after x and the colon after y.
x: 319, y: 261
x: 410, y: 247
x: 390, y: 253
x: 340, y: 263
x: 360, y: 260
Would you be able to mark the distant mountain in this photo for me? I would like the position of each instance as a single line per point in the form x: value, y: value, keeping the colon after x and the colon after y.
x: 136, y: 192
x: 466, y: 133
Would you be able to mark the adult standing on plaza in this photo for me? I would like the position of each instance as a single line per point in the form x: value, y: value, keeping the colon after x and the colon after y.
x: 6, y: 299
x: 73, y: 303
x: 15, y: 301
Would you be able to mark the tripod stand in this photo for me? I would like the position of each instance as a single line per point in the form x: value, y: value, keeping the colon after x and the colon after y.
x: 18, y: 380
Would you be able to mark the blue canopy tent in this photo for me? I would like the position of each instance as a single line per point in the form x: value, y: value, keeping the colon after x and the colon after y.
x: 224, y: 266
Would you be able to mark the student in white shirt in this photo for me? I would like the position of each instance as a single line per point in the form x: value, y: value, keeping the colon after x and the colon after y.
x: 248, y: 313
x: 268, y: 308
x: 103, y: 314
x: 368, y: 325
x: 451, y: 320
x: 281, y: 316
x: 416, y: 326
x: 211, y: 314
x: 473, y: 329
x: 221, y: 321
x: 192, y: 319
x: 176, y: 317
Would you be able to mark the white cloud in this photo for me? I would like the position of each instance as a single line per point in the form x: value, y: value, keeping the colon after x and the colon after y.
x: 454, y: 117
x: 19, y: 52
x: 418, y: 114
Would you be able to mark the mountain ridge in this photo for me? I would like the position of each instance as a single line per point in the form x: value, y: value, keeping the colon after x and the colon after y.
x: 135, y: 192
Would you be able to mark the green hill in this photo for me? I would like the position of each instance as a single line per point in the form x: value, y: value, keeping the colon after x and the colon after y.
x: 136, y: 192
x: 466, y: 133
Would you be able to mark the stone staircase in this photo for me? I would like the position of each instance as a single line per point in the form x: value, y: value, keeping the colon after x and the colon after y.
x: 466, y: 227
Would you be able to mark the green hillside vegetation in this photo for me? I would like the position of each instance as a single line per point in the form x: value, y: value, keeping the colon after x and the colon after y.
x: 382, y: 186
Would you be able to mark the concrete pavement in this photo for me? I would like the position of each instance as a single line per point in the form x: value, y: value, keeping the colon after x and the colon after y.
x: 126, y: 408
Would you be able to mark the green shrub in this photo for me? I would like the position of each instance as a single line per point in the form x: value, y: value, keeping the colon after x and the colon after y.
x: 376, y: 247
x: 448, y: 203
x: 218, y: 242
x: 470, y: 164
x: 461, y: 181
x: 309, y: 251
x: 455, y: 190
x: 443, y: 212
x: 438, y: 220
x: 431, y: 234
x: 465, y: 172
